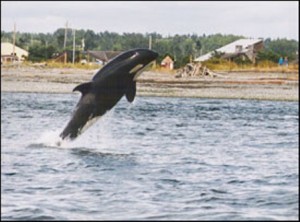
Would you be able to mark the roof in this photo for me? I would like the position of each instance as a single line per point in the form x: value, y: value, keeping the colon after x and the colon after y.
x: 104, y: 55
x: 231, y: 48
x: 167, y: 59
x: 7, y: 49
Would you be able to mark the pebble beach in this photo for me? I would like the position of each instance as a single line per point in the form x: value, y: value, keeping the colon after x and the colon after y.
x: 233, y: 85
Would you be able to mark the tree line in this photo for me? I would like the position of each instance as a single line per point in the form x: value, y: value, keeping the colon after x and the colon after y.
x: 181, y: 48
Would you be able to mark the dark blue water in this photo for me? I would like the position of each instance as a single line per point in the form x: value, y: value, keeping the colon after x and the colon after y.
x: 158, y: 158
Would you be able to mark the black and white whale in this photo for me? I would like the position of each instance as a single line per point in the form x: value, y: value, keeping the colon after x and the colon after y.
x: 116, y: 79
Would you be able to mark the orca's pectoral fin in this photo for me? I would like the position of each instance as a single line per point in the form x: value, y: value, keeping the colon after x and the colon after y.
x: 83, y: 88
x: 131, y: 91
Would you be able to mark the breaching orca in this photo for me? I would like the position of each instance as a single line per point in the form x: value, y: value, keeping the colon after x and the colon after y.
x: 109, y: 84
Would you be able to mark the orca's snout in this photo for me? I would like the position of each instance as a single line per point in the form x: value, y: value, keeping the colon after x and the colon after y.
x: 154, y: 54
x: 151, y: 53
x: 147, y: 54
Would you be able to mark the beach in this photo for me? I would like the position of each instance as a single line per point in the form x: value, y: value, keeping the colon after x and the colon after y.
x: 229, y: 85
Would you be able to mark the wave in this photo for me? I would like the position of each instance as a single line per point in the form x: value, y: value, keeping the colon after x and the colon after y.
x: 49, y: 139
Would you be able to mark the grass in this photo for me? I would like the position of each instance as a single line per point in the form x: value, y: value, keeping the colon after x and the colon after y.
x: 74, y: 66
x: 58, y: 65
x: 221, y: 65
x: 264, y: 66
x: 163, y: 70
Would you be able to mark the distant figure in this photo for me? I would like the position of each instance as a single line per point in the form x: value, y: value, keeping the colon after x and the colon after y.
x: 280, y: 62
x: 286, y: 61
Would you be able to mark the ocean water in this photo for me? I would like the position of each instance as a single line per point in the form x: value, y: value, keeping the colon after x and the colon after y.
x: 156, y: 159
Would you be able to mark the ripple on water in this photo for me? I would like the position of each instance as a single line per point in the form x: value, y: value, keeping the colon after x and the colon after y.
x: 159, y: 158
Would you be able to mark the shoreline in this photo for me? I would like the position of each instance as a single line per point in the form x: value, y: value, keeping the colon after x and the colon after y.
x: 237, y: 85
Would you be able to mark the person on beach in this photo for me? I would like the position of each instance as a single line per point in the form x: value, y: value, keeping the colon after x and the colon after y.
x: 286, y: 61
x: 280, y: 62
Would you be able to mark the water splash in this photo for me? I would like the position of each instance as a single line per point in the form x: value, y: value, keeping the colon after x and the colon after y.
x: 52, y: 139
x: 99, y: 131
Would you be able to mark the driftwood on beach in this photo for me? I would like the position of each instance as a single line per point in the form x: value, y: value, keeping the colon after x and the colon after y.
x: 234, y: 85
x: 196, y: 69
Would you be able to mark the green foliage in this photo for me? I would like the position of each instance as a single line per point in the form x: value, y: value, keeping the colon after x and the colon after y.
x: 212, y: 42
x: 284, y: 47
x: 181, y: 47
x: 267, y: 54
x: 38, y: 52
x: 280, y: 47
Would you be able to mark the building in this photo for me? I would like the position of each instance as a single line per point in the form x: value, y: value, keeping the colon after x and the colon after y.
x: 103, y: 56
x: 7, y: 53
x: 167, y: 63
x: 240, y: 48
x: 66, y: 56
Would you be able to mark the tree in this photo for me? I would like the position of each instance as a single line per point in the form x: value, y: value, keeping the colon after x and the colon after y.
x: 284, y: 47
x: 90, y: 39
x: 267, y: 54
x: 41, y: 46
x: 38, y: 52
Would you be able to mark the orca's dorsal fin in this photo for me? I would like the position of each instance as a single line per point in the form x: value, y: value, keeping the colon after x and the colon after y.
x: 131, y: 91
x: 83, y: 88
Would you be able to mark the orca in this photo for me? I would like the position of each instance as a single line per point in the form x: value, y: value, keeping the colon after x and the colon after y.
x: 114, y: 80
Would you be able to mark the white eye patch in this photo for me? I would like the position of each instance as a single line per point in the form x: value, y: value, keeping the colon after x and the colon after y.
x: 141, y: 70
x: 136, y: 68
x: 134, y: 55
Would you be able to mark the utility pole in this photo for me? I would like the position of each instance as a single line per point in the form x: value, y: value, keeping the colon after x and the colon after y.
x: 82, y: 44
x: 65, y: 42
x: 150, y: 42
x: 14, y: 42
x: 66, y: 31
x: 73, y: 46
x: 150, y: 47
x: 82, y: 49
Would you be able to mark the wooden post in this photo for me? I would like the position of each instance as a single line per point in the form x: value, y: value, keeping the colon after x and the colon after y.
x: 150, y: 42
x: 73, y: 46
x: 65, y: 57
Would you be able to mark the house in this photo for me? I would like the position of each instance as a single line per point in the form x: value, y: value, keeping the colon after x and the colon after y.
x: 168, y: 63
x: 86, y: 56
x: 242, y: 47
x: 66, y: 56
x: 60, y: 57
x: 7, y: 53
x: 103, y: 56
x: 8, y: 58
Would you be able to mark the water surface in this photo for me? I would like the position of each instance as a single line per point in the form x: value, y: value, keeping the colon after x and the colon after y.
x: 158, y: 158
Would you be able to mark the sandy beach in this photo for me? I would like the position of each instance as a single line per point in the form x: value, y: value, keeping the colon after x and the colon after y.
x: 233, y: 85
